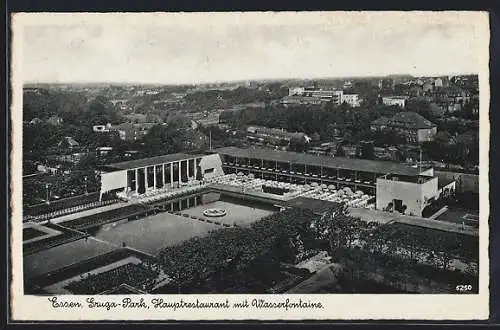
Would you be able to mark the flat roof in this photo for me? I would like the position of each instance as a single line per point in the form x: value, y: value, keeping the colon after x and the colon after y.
x: 143, y: 162
x: 373, y: 166
x: 407, y: 178
x: 437, y: 225
x: 388, y: 218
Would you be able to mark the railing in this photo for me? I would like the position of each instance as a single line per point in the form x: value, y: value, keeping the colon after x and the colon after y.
x: 70, y: 210
x: 60, y: 204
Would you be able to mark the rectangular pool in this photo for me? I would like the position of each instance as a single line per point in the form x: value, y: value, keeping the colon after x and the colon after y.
x: 152, y: 233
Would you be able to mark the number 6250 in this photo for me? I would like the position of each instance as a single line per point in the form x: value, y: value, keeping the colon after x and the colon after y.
x: 463, y: 288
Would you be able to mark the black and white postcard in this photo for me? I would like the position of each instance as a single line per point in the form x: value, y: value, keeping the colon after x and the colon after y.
x: 236, y: 166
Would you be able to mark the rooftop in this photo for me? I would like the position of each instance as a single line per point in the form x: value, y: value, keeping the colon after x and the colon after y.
x: 372, y: 166
x: 411, y: 119
x: 381, y: 121
x: 299, y: 98
x: 70, y: 141
x: 388, y: 218
x: 395, y: 97
x: 143, y: 162
x: 407, y: 178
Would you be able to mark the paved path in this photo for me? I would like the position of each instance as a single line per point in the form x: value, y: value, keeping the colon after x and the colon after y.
x: 81, y: 214
x: 438, y: 213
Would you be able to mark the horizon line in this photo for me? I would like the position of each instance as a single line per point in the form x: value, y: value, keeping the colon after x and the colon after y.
x: 245, y: 80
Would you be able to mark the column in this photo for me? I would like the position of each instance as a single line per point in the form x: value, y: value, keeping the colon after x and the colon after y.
x: 136, y: 180
x: 163, y: 175
x: 187, y: 202
x: 164, y: 178
x: 171, y: 175
x: 180, y: 171
x: 154, y: 177
x: 145, y: 178
x: 195, y: 169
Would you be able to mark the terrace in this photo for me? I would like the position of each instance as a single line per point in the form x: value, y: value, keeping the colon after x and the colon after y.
x: 167, y: 193
x: 94, y: 220
x: 70, y: 205
x: 248, y: 183
x: 301, y: 173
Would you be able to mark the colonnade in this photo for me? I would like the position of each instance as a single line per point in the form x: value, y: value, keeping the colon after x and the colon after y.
x: 181, y: 164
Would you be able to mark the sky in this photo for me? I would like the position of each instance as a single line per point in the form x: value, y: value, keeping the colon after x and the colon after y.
x: 191, y: 50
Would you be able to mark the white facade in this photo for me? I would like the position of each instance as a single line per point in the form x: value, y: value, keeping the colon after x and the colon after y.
x: 162, y: 174
x: 426, y: 134
x: 352, y: 99
x: 101, y: 128
x: 324, y: 94
x: 329, y: 94
x: 412, y: 195
x: 211, y: 166
x: 393, y: 100
x: 113, y: 181
x: 295, y: 91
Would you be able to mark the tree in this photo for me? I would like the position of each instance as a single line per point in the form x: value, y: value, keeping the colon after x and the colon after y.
x: 367, y: 150
x: 337, y: 227
x: 177, y: 122
x: 421, y: 107
x: 298, y: 144
x: 340, y: 152
x: 163, y: 139
x: 199, y: 173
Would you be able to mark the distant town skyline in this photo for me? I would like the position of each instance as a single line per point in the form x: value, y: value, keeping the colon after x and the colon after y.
x: 239, y: 81
x: 213, y: 51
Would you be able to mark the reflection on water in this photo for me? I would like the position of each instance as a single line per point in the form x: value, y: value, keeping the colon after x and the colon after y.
x: 210, y: 198
x: 151, y: 233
